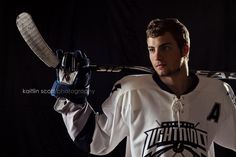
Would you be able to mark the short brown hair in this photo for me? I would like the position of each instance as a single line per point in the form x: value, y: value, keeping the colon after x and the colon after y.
x: 178, y: 30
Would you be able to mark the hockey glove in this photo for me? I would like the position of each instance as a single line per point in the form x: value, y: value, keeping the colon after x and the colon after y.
x: 73, y: 77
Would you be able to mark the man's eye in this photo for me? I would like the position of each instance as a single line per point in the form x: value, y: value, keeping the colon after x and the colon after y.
x: 166, y: 48
x: 151, y: 50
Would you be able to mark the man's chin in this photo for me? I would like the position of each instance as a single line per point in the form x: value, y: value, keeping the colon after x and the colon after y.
x: 162, y: 73
x: 167, y: 73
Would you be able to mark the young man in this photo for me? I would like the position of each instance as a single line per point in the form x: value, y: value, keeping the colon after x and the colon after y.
x: 170, y: 113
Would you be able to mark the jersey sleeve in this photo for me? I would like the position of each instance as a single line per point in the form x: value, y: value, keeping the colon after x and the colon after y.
x: 111, y: 127
x: 75, y: 116
x: 226, y: 134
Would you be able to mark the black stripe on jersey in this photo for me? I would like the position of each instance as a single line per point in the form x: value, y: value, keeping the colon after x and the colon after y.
x: 84, y: 138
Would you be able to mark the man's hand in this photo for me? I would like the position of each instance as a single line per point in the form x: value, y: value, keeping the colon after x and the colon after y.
x: 73, y: 77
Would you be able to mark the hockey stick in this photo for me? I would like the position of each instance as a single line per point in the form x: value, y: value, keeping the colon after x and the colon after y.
x: 35, y: 41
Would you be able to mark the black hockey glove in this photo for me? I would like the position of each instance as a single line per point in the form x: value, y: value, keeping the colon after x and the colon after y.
x: 73, y: 77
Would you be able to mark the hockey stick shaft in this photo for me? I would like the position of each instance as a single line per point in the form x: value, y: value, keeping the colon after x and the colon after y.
x: 119, y: 68
x: 143, y: 69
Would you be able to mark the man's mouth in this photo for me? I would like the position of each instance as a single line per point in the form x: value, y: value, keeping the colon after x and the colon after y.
x: 160, y: 65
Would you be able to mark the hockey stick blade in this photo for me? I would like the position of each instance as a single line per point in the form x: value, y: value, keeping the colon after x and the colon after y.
x: 34, y: 39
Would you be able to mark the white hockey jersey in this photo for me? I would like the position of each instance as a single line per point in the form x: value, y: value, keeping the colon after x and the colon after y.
x: 156, y: 122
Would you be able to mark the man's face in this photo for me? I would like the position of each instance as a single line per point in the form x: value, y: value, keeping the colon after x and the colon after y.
x: 165, y: 55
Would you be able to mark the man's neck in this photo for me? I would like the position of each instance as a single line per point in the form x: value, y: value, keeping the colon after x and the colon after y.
x: 178, y: 83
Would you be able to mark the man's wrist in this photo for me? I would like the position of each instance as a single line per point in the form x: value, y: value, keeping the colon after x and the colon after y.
x: 76, y: 95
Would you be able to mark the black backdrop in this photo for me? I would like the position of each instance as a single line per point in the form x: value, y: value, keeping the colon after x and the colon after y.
x: 110, y: 32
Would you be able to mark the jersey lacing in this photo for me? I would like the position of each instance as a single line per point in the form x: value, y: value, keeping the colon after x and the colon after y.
x: 177, y: 108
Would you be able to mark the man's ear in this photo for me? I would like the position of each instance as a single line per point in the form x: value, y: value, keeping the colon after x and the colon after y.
x: 185, y: 51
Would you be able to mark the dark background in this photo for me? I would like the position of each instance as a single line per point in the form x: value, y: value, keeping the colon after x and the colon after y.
x: 110, y: 32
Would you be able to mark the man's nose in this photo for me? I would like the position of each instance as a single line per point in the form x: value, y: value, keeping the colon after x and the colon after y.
x: 158, y: 55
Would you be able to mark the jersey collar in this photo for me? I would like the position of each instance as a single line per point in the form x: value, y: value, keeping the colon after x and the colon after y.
x: 163, y: 86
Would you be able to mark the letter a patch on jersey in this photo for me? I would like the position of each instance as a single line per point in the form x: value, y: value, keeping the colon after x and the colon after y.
x: 215, y: 113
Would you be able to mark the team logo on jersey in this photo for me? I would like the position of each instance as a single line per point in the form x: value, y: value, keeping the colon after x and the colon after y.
x: 183, y: 141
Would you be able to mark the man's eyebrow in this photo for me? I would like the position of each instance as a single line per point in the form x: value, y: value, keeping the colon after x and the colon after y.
x: 164, y: 44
